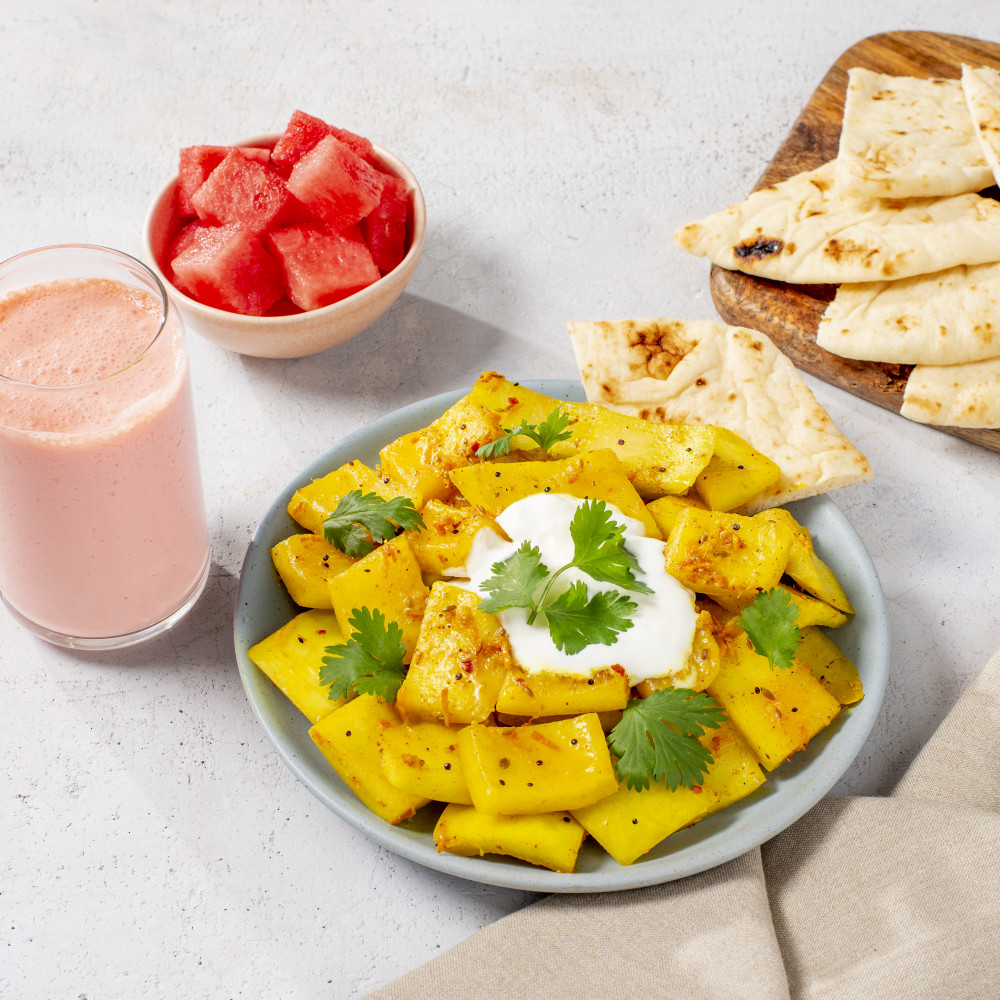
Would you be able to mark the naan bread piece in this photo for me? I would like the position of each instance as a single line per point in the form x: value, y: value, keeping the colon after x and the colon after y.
x: 709, y: 373
x: 946, y: 318
x: 906, y: 137
x: 982, y: 96
x: 954, y: 395
x: 800, y: 231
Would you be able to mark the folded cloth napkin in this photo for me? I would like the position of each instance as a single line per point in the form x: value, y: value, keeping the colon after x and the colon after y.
x: 870, y: 898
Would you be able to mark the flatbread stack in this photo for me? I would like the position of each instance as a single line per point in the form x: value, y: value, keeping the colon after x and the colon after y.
x: 704, y: 372
x: 898, y: 222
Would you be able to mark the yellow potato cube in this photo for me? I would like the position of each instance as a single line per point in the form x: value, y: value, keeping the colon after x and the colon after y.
x: 454, y: 439
x: 777, y: 711
x: 735, y: 771
x: 447, y: 535
x: 728, y: 557
x: 806, y: 568
x: 658, y: 458
x: 388, y: 578
x: 735, y: 474
x: 548, y: 767
x: 551, y: 840
x: 461, y: 657
x: 596, y: 475
x: 312, y: 504
x: 830, y: 667
x: 349, y: 739
x: 666, y: 509
x: 306, y: 564
x: 401, y: 467
x: 292, y: 658
x: 630, y: 822
x: 812, y: 611
x: 534, y: 696
x: 423, y: 759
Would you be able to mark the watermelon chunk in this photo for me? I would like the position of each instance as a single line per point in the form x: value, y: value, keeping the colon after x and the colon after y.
x: 182, y: 239
x: 246, y: 193
x: 304, y: 131
x: 323, y: 266
x: 228, y: 267
x: 384, y: 229
x: 335, y: 183
x: 197, y: 162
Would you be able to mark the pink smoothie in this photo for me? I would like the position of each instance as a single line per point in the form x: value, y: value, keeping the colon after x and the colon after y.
x: 102, y: 523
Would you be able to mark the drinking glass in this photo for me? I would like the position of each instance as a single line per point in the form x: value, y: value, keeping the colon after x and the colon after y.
x: 103, y: 536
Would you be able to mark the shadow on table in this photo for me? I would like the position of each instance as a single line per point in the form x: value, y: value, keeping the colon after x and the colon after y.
x: 418, y: 349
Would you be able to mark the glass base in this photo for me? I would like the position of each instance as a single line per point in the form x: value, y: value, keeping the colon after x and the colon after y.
x: 114, y: 641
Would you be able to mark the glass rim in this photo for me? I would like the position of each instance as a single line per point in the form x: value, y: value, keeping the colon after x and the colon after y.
x: 124, y: 258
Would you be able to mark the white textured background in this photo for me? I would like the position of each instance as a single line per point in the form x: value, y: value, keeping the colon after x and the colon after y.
x: 152, y: 844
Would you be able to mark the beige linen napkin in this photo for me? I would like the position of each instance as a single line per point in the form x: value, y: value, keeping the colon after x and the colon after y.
x: 868, y: 898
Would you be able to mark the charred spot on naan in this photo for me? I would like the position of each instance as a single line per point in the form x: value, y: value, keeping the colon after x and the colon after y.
x: 845, y: 249
x: 759, y: 248
x: 657, y: 345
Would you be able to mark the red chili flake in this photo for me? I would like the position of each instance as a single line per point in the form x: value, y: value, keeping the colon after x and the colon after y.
x: 475, y: 447
x: 467, y: 666
x: 321, y: 631
x: 696, y: 789
x: 618, y: 669
x: 513, y: 400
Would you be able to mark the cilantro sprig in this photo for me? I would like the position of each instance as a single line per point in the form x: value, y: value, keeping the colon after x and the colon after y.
x: 575, y: 618
x: 370, y: 662
x: 360, y: 521
x: 657, y: 738
x: 550, y: 431
x: 769, y: 621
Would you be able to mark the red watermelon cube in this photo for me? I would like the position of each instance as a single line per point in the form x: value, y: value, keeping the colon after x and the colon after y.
x: 335, y: 184
x: 197, y: 162
x: 228, y: 267
x: 248, y: 194
x: 323, y: 266
x: 304, y: 131
x: 182, y: 239
x: 384, y: 229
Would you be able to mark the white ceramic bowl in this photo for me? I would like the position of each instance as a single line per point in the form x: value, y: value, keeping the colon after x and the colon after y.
x: 301, y: 333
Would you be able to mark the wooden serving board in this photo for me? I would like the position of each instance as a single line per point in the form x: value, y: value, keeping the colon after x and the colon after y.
x: 790, y: 314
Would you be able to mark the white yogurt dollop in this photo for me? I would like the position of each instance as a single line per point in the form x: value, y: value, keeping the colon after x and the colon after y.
x: 659, y: 642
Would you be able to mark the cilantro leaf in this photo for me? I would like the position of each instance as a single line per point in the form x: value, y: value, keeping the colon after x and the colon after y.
x: 361, y: 520
x: 769, y: 621
x: 370, y: 662
x: 657, y: 738
x: 576, y: 621
x: 501, y: 446
x: 599, y: 547
x: 515, y: 580
x: 551, y: 430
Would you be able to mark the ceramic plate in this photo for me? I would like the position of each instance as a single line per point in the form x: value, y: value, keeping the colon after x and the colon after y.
x: 263, y: 606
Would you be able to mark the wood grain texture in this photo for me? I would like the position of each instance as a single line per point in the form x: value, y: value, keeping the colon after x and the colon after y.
x: 790, y: 314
